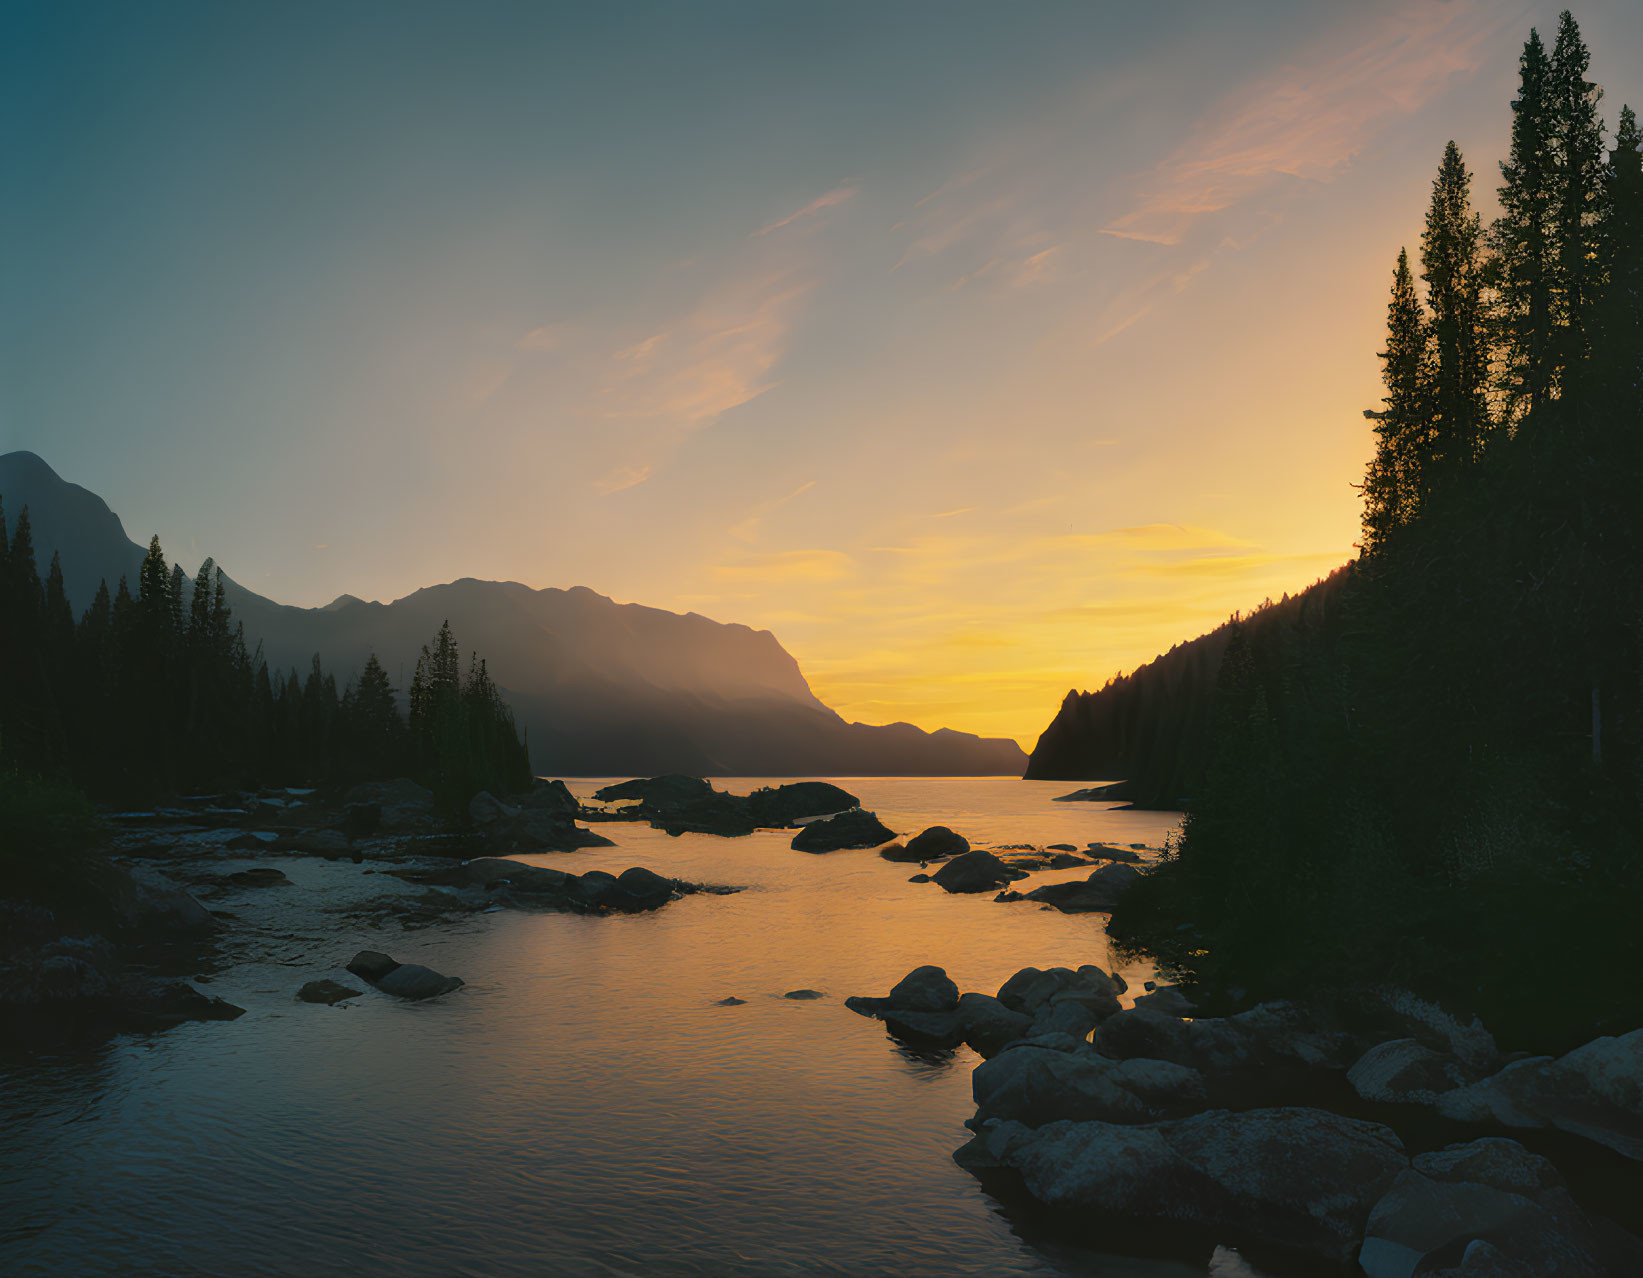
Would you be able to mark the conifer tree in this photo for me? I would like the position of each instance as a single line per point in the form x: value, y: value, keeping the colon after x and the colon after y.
x: 1619, y: 343
x: 1578, y: 195
x: 1522, y: 240
x: 1395, y: 486
x: 1451, y: 269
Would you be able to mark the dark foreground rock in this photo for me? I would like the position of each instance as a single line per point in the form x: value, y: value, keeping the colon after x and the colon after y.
x: 1300, y: 1180
x: 498, y: 880
x: 937, y: 844
x: 852, y: 829
x: 409, y: 981
x: 976, y: 872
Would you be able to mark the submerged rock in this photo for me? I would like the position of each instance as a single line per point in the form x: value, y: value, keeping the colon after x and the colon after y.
x: 326, y: 991
x: 804, y: 996
x: 1098, y: 892
x: 853, y: 829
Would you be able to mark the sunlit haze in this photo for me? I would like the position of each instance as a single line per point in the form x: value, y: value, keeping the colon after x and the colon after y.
x: 979, y: 351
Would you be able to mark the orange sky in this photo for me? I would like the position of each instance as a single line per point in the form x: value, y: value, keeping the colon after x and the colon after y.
x: 977, y: 361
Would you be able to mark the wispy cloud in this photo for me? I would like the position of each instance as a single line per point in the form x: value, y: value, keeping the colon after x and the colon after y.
x: 748, y: 529
x: 1312, y: 118
x: 620, y: 477
x: 838, y: 195
x: 787, y: 566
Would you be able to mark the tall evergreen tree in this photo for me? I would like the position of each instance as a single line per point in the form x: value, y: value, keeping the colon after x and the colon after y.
x: 1395, y: 485
x: 1578, y: 197
x: 1522, y: 240
x: 1452, y: 270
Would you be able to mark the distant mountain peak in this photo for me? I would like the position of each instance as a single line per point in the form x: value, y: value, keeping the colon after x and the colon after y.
x: 342, y: 601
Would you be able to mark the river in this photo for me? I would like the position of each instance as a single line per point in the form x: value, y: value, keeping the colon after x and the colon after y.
x: 582, y: 1105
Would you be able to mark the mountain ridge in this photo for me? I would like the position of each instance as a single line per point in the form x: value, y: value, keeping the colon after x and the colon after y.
x: 600, y: 687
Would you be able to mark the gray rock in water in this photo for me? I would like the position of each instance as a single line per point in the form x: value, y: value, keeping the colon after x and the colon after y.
x: 371, y: 965
x: 1038, y: 1085
x: 1098, y: 892
x: 1403, y: 1071
x: 936, y: 1029
x: 803, y: 996
x: 415, y: 982
x: 1167, y: 999
x: 732, y: 1001
x: 326, y: 991
x: 937, y: 843
x: 853, y: 829
x: 925, y: 989
x: 976, y: 872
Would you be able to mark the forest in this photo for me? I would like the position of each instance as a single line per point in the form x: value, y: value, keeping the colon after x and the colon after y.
x: 1438, y: 784
x: 155, y: 693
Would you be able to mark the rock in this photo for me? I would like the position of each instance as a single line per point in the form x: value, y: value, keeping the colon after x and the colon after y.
x: 937, y: 844
x: 414, y: 982
x: 1068, y: 861
x: 1167, y: 999
x: 785, y: 805
x: 403, y: 806
x: 803, y: 996
x: 1421, y: 1220
x: 539, y: 830
x: 853, y: 829
x: 1098, y: 892
x: 670, y: 790
x: 935, y: 1029
x: 975, y: 872
x: 1028, y: 988
x: 319, y: 842
x: 898, y: 852
x: 1469, y: 1042
x: 1037, y: 1085
x: 259, y: 877
x: 1067, y: 1016
x: 491, y: 871
x: 1304, y: 1180
x: 925, y: 989
x: 371, y: 965
x: 326, y: 991
x: 1111, y: 852
x: 864, y: 1006
x: 919, y: 878
x: 647, y: 889
x: 1035, y: 993
x: 159, y: 905
x: 732, y: 1001
x: 1060, y: 847
x: 484, y: 809
x: 1403, y: 1071
x: 549, y: 796
x: 988, y: 1024
x: 1094, y: 794
x: 172, y: 1002
x: 1267, y: 1034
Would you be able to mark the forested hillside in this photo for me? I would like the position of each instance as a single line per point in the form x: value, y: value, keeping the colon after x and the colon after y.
x: 1150, y: 728
x: 1447, y: 794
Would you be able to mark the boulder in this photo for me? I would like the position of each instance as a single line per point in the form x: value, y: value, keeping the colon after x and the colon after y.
x: 1068, y: 861
x: 1112, y: 852
x: 1036, y: 993
x: 164, y: 1003
x: 988, y: 1024
x: 853, y: 829
x: 898, y: 852
x: 326, y: 991
x: 415, y: 982
x: 1060, y: 847
x: 937, y: 843
x: 371, y: 965
x: 786, y: 805
x: 975, y: 872
x: 731, y: 1001
x: 159, y: 905
x: 1099, y: 892
x: 1036, y: 1084
x: 1420, y: 1222
x: 932, y: 1029
x: 664, y: 791
x: 539, y: 830
x: 492, y: 871
x: 1167, y: 999
x: 925, y: 989
x: 403, y: 806
x: 484, y: 809
x: 647, y: 889
x: 804, y: 996
x: 549, y: 796
x: 1303, y: 1180
x: 1404, y: 1071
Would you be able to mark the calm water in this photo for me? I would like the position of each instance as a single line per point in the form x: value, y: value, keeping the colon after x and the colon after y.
x: 581, y: 1107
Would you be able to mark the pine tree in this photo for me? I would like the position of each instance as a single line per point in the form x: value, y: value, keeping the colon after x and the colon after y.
x: 1522, y: 240
x: 1452, y: 271
x: 1395, y: 486
x: 1578, y: 194
x: 1618, y: 345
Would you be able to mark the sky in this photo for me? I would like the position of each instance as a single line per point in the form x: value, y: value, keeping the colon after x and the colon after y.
x: 979, y: 351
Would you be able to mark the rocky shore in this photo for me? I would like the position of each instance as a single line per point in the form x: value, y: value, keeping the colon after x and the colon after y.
x: 1381, y: 1133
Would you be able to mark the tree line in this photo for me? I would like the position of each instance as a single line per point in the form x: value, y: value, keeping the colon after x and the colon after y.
x: 1440, y: 785
x: 156, y: 692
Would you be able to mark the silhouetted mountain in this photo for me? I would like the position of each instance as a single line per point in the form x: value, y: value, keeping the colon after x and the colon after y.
x: 601, y: 688
x: 1151, y: 728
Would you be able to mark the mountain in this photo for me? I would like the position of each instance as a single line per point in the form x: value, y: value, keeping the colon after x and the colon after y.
x: 602, y: 689
x: 1150, y: 729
